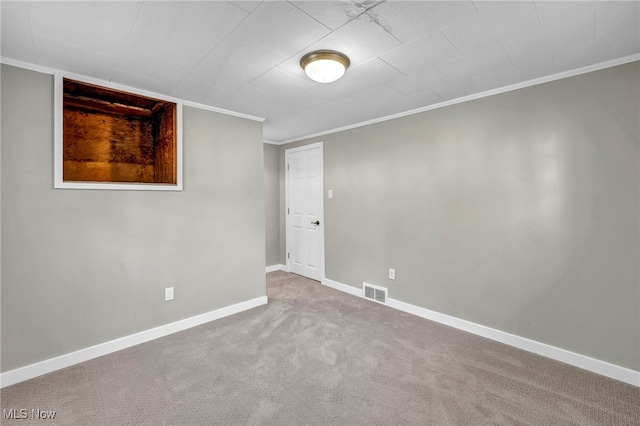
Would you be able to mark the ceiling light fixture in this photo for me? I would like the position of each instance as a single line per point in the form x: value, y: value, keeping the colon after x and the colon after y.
x: 324, y: 66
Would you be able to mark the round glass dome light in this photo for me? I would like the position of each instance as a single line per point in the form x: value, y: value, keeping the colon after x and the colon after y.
x: 324, y: 66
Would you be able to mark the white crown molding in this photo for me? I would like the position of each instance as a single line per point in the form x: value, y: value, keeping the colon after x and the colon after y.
x: 577, y: 360
x: 38, y: 369
x: 27, y: 65
x: 107, y: 83
x: 512, y: 87
x: 534, y: 82
x: 222, y: 111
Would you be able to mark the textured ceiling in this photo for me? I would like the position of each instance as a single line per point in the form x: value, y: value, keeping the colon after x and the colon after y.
x: 244, y: 55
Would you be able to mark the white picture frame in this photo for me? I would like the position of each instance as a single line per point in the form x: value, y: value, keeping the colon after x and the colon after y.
x: 60, y: 183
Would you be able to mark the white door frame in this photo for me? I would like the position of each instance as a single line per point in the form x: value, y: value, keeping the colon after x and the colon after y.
x: 287, y: 152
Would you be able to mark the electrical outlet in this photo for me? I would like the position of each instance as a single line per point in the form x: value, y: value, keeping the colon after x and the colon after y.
x: 330, y: 193
x: 168, y: 294
x: 392, y: 274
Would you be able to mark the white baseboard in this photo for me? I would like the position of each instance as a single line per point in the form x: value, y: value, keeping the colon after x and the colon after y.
x: 38, y: 369
x: 577, y: 360
x: 275, y: 268
x: 342, y: 287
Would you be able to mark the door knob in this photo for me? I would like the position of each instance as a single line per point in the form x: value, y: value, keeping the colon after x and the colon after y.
x: 317, y: 222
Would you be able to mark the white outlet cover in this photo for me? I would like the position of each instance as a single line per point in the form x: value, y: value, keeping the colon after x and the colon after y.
x: 330, y: 193
x: 392, y: 274
x: 168, y: 294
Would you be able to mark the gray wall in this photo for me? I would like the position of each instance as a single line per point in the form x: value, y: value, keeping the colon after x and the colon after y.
x: 274, y: 253
x: 81, y: 267
x: 518, y: 211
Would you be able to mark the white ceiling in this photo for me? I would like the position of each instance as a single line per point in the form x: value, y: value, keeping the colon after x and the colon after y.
x: 244, y: 55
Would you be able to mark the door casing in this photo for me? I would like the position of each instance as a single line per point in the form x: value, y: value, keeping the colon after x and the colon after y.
x: 321, y: 229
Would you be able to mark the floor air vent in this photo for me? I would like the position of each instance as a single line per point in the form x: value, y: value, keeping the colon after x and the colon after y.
x: 375, y: 293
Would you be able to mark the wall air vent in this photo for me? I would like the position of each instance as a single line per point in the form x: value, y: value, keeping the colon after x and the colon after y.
x: 375, y: 293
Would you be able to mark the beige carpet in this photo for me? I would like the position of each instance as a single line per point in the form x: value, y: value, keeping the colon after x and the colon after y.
x: 316, y: 356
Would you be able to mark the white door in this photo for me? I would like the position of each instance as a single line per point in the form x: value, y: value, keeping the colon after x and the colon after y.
x: 305, y: 210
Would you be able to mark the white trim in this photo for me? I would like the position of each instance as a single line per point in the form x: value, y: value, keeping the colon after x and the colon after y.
x: 541, y: 80
x: 270, y: 142
x: 534, y: 82
x: 342, y: 287
x: 119, y: 186
x: 577, y: 360
x: 106, y: 83
x: 58, y: 158
x: 597, y: 366
x: 34, y: 370
x: 273, y: 268
x: 305, y: 147
x: 59, y: 183
x: 27, y: 65
x: 286, y: 202
x: 222, y: 111
x: 59, y: 75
